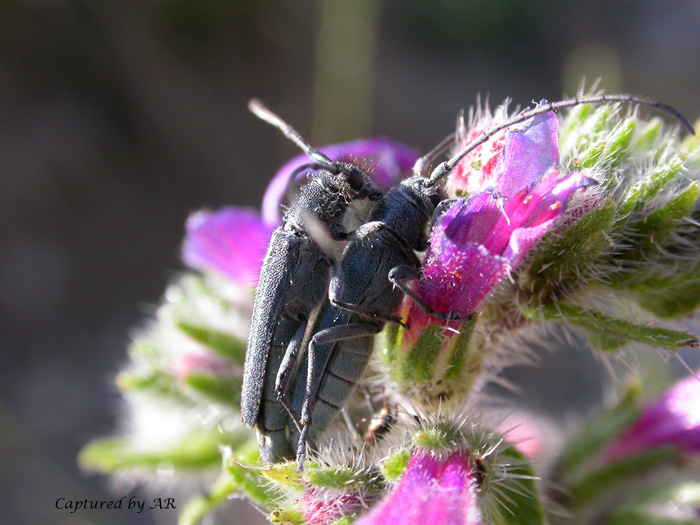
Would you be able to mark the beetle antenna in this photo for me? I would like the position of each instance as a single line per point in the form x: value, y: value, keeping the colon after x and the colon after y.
x: 423, y: 163
x: 260, y: 110
x: 444, y: 168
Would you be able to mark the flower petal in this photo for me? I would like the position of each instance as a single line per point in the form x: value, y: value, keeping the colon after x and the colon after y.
x: 531, y: 214
x: 231, y: 241
x: 457, y: 278
x: 387, y: 161
x: 528, y: 154
x: 673, y: 419
x: 432, y: 490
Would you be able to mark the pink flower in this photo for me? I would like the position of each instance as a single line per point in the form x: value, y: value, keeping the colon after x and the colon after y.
x: 672, y: 420
x: 230, y: 241
x: 433, y: 490
x: 525, y: 155
x: 480, y: 240
x: 477, y: 168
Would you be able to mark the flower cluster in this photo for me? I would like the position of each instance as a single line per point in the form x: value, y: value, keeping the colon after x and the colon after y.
x: 561, y: 220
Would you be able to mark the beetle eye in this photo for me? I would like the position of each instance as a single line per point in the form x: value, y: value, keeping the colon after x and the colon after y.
x: 355, y: 179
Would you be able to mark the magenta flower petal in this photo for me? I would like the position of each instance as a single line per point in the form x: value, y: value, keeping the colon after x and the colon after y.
x: 457, y: 277
x: 231, y: 241
x: 387, y: 161
x: 673, y: 419
x: 529, y: 215
x: 477, y: 242
x: 528, y: 154
x: 432, y: 491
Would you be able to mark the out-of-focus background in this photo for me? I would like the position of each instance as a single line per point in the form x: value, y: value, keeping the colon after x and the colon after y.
x: 119, y: 118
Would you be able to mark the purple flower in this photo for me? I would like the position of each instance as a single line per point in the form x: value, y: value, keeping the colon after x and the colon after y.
x: 672, y: 420
x: 527, y: 155
x: 434, y: 490
x: 387, y: 161
x: 481, y: 239
x: 230, y: 241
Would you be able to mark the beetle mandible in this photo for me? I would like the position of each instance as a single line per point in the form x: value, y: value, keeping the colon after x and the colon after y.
x: 293, y: 282
x: 369, y: 281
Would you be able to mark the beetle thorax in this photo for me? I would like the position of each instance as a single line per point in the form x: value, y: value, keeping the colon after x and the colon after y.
x: 323, y: 199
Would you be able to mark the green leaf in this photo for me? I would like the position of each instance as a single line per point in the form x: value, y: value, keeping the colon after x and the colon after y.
x: 217, y: 388
x: 653, y: 182
x: 392, y: 336
x: 574, y: 120
x: 562, y: 261
x: 691, y: 145
x: 647, y: 504
x: 612, y: 328
x: 196, y: 451
x: 592, y: 155
x: 343, y: 478
x: 590, y: 144
x: 420, y: 361
x: 618, y: 143
x: 145, y: 348
x: 581, y: 449
x: 248, y: 478
x: 394, y: 465
x: 648, y: 135
x: 460, y: 362
x: 604, y: 343
x: 600, y: 482
x: 221, y: 343
x: 438, y: 437
x: 645, y: 516
x: 219, y: 493
x: 287, y: 516
x: 668, y: 299
x: 154, y: 382
x: 522, y: 497
x: 285, y: 474
x: 654, y: 229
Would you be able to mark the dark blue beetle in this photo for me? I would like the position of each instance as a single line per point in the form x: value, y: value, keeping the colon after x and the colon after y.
x: 293, y: 282
x: 371, y: 277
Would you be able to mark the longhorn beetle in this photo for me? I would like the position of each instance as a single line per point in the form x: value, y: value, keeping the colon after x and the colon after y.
x: 293, y: 282
x: 371, y: 277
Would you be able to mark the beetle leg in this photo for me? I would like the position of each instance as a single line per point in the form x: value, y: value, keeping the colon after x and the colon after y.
x: 335, y: 290
x: 400, y: 274
x: 365, y: 312
x: 329, y: 335
x: 284, y: 374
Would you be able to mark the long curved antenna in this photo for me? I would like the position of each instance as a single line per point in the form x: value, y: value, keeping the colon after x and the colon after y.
x: 443, y: 169
x: 423, y: 163
x: 260, y: 110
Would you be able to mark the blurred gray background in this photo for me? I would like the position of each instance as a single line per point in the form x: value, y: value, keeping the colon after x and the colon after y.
x: 118, y: 118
